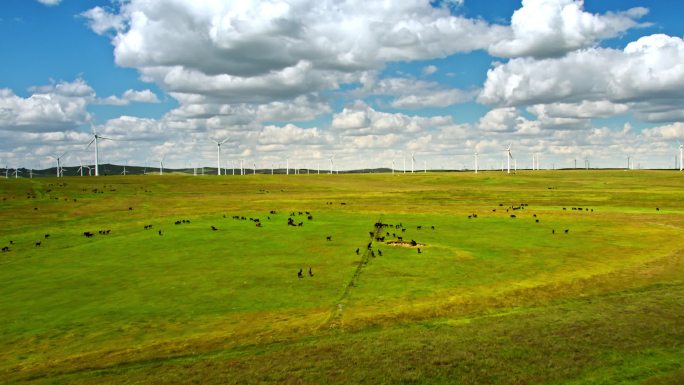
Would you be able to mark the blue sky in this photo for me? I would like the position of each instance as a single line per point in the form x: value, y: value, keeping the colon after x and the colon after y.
x: 304, y: 80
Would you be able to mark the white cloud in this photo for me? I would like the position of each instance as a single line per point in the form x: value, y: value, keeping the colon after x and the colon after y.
x: 674, y: 131
x: 50, y: 3
x: 411, y: 93
x: 101, y: 21
x: 499, y: 119
x: 291, y: 134
x: 144, y: 96
x: 429, y: 69
x: 436, y: 98
x: 647, y: 75
x: 548, y: 28
x: 49, y: 108
x: 258, y: 52
x: 582, y: 110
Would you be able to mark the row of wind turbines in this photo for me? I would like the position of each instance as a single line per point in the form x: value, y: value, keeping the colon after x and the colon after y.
x: 96, y: 138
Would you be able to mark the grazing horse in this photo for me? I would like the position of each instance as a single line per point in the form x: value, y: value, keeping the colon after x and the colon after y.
x: 300, y: 275
x: 310, y: 272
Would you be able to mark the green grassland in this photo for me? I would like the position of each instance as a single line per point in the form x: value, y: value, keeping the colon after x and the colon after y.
x: 489, y: 299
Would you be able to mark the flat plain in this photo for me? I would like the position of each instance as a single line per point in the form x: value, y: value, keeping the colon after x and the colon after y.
x: 555, y: 277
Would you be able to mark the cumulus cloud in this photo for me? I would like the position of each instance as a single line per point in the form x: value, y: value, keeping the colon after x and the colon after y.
x: 291, y: 134
x: 144, y: 96
x: 548, y: 28
x: 265, y: 51
x: 101, y: 21
x: 582, y: 110
x: 53, y: 107
x: 50, y: 3
x: 499, y: 119
x: 647, y: 75
x: 429, y: 69
x: 674, y: 131
x: 410, y: 93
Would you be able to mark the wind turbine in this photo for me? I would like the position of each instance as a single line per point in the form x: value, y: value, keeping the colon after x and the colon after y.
x: 425, y: 166
x: 287, y: 166
x: 331, y: 162
x: 476, y: 159
x: 413, y: 160
x: 681, y: 152
x: 80, y: 168
x: 161, y: 166
x: 393, y: 166
x: 628, y: 162
x: 218, y: 153
x: 97, y: 153
x: 508, y: 150
x: 254, y: 164
x: 59, y: 167
x: 16, y: 173
x: 124, y: 168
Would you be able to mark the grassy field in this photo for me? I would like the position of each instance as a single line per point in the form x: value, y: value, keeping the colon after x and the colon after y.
x: 553, y: 295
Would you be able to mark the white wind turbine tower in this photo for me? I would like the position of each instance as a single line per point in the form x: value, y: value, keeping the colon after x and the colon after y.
x: 509, y: 157
x: 59, y: 167
x: 161, y: 166
x: 254, y: 164
x: 681, y: 152
x: 331, y: 162
x: 218, y: 153
x: 287, y: 166
x: 476, y: 161
x: 413, y: 161
x: 425, y: 166
x: 404, y: 157
x: 96, y: 137
x: 80, y: 168
x: 393, y: 166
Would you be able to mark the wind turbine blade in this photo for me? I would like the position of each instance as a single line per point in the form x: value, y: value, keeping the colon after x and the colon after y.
x: 224, y: 140
x: 91, y: 142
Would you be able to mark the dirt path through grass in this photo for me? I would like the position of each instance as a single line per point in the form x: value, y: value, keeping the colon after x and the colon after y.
x: 335, y: 317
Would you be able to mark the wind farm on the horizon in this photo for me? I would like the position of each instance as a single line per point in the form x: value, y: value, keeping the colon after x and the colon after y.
x: 508, y: 164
